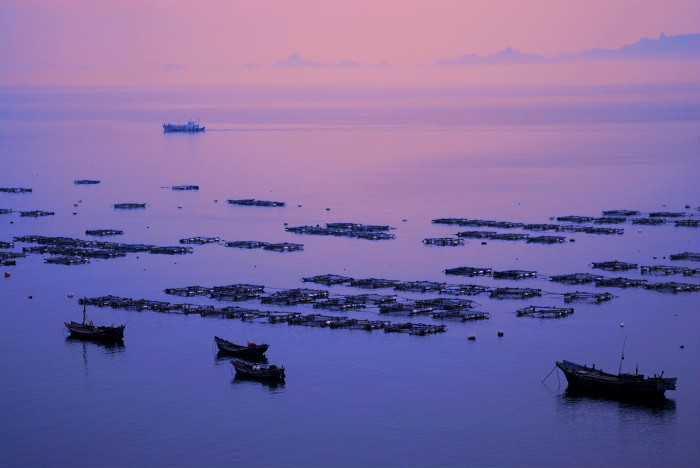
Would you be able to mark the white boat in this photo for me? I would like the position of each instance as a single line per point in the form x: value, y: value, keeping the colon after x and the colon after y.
x: 190, y: 126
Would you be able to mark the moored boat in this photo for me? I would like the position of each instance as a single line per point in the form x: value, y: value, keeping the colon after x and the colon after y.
x: 252, y: 350
x: 88, y: 330
x: 190, y: 126
x: 590, y: 379
x: 245, y: 369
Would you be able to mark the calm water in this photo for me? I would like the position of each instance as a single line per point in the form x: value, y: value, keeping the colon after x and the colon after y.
x: 352, y: 398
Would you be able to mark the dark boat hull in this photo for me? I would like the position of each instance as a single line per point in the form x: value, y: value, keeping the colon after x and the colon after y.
x: 226, y: 347
x: 586, y: 379
x: 92, y: 332
x: 258, y: 372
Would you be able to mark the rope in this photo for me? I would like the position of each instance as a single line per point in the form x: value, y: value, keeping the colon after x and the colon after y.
x: 550, y: 373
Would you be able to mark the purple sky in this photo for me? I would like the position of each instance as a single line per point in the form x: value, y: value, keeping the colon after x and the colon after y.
x: 150, y: 42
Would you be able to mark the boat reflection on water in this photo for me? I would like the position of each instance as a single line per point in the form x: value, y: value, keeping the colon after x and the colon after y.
x: 105, y: 348
x: 273, y: 385
x: 580, y: 400
x: 225, y: 357
x: 112, y: 347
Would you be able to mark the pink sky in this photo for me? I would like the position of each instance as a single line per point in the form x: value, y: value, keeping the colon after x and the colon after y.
x: 147, y: 42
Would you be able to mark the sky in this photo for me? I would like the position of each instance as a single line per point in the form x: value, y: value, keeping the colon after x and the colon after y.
x: 390, y: 42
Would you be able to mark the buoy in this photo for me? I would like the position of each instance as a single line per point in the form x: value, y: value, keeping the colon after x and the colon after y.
x: 682, y: 346
x: 622, y: 325
x: 639, y: 230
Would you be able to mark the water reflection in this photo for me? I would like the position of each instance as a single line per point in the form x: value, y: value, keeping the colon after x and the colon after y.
x: 575, y: 400
x: 274, y: 386
x: 110, y: 347
x: 226, y: 357
x: 102, y: 347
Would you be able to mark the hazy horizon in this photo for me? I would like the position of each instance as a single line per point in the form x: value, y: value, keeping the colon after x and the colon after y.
x: 339, y: 43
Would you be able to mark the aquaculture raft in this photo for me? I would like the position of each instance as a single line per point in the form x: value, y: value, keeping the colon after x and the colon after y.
x: 128, y: 206
x: 576, y: 278
x: 614, y: 265
x: 514, y: 274
x: 15, y: 190
x: 469, y: 271
x: 520, y: 293
x: 362, y: 231
x: 686, y: 256
x: 544, y: 312
x: 444, y: 241
x: 587, y: 296
x: 104, y: 232
x: 36, y: 213
x: 278, y: 247
x: 620, y: 282
x: 254, y: 202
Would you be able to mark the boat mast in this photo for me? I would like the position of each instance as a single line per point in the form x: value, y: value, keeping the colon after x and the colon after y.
x: 619, y: 370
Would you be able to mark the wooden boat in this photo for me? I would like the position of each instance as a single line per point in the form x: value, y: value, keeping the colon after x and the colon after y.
x: 271, y: 372
x: 590, y: 379
x: 87, y: 330
x: 252, y: 350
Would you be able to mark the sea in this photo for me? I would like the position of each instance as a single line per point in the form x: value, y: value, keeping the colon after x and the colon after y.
x: 394, y: 157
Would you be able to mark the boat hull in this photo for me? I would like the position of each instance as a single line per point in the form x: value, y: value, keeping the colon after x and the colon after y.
x: 590, y: 380
x: 189, y: 127
x: 258, y: 372
x: 226, y: 347
x: 92, y: 332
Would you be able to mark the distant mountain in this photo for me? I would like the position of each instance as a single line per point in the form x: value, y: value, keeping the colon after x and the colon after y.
x: 295, y: 61
x: 665, y: 47
x: 348, y: 63
x: 502, y: 57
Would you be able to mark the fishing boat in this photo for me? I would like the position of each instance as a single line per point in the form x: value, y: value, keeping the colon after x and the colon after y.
x: 245, y: 369
x: 190, y: 126
x: 590, y: 379
x: 88, y: 330
x: 252, y: 350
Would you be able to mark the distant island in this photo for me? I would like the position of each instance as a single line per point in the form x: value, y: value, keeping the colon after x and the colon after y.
x: 683, y: 46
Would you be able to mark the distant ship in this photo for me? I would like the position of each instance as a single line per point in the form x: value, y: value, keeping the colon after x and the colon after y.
x: 190, y: 126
